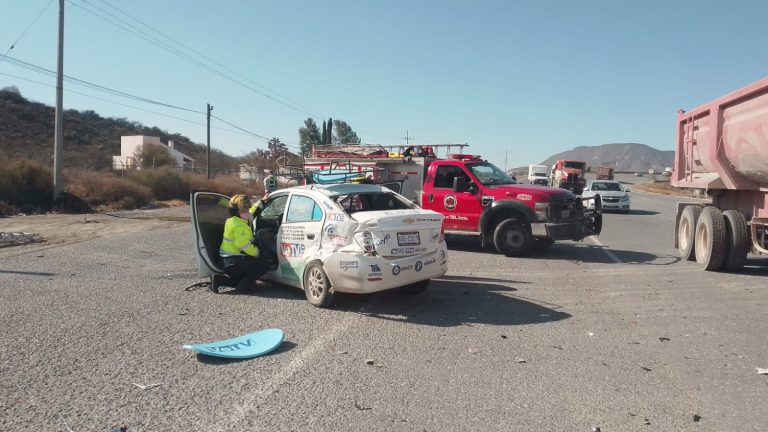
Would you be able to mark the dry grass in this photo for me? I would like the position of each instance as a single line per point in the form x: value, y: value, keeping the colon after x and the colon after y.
x: 25, y: 186
x: 664, y: 188
x: 105, y: 190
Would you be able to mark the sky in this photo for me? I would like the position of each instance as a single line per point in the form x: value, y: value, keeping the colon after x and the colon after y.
x: 516, y: 80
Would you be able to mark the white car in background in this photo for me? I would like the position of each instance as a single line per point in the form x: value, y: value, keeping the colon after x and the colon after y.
x: 612, y: 194
x: 352, y: 238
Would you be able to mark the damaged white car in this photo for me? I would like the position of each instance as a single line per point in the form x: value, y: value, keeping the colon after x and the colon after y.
x: 352, y: 238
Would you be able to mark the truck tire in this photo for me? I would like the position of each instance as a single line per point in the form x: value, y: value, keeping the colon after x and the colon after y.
x: 317, y: 286
x: 710, y: 239
x: 512, y: 238
x: 686, y: 229
x: 737, y: 240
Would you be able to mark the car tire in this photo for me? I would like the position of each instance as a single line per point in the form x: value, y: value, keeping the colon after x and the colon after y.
x: 686, y: 230
x: 710, y: 239
x: 415, y: 288
x: 317, y: 286
x: 512, y: 238
x: 737, y: 240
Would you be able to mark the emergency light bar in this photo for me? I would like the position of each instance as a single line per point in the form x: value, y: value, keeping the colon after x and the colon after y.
x: 465, y: 157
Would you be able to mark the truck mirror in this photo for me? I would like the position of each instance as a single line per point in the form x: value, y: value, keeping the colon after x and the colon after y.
x: 460, y: 184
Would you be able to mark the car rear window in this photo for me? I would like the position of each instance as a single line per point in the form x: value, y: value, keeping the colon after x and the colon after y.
x: 372, y: 201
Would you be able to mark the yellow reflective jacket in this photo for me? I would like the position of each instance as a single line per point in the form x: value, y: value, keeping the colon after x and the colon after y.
x: 238, y: 239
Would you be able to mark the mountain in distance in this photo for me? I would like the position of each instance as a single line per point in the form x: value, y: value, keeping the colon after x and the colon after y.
x: 625, y: 156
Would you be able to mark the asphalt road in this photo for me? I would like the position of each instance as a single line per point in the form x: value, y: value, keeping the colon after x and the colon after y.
x: 614, y: 332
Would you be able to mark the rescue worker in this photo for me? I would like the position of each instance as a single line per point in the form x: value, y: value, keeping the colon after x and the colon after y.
x: 239, y: 255
x: 270, y: 182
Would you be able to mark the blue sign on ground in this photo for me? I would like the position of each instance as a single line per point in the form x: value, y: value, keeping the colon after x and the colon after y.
x: 247, y: 346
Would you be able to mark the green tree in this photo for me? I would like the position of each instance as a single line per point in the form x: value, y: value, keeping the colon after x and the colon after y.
x: 344, y: 134
x: 309, y: 136
x: 154, y: 156
x: 329, y: 134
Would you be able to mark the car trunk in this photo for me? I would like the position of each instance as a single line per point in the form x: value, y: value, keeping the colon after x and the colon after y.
x: 400, y: 233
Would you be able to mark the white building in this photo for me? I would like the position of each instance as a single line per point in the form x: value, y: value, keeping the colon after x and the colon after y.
x: 131, y: 145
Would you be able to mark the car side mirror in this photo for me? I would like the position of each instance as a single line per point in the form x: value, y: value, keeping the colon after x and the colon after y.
x: 460, y: 184
x: 626, y: 190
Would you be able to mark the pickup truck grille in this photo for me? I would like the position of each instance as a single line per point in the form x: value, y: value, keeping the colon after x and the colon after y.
x: 565, y: 210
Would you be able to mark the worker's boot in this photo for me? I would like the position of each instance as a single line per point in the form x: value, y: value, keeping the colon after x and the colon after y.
x: 216, y: 282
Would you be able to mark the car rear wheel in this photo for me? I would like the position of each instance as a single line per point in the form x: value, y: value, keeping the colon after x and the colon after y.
x: 415, y: 288
x: 710, y: 239
x: 685, y: 232
x: 512, y: 238
x: 737, y: 240
x: 317, y: 287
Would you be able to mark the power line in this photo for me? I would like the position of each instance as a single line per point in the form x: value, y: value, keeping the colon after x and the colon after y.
x: 13, y: 45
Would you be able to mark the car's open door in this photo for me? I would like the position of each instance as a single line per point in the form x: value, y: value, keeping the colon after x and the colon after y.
x: 209, y: 213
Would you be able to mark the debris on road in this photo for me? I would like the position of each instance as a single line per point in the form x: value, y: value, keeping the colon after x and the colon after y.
x: 761, y: 371
x: 521, y: 361
x: 646, y: 422
x: 370, y: 361
x: 18, y: 238
x: 147, y: 386
x: 342, y: 352
x: 664, y: 339
x: 65, y: 423
x: 362, y: 408
x: 503, y: 336
x: 243, y: 347
x: 646, y: 369
x: 696, y: 418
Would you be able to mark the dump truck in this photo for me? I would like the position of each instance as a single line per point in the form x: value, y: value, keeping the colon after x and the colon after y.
x: 722, y: 148
x: 567, y: 174
x: 605, y: 172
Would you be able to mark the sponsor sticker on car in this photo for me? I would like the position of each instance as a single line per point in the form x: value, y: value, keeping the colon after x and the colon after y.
x: 346, y: 265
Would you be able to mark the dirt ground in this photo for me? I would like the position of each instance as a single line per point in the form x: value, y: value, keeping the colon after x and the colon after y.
x: 64, y: 228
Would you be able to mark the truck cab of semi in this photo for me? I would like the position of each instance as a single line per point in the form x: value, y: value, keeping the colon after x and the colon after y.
x: 568, y: 174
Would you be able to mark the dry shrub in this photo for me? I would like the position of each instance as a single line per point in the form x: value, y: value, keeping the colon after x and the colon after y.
x: 26, y: 185
x: 226, y: 185
x: 165, y: 183
x: 104, y: 189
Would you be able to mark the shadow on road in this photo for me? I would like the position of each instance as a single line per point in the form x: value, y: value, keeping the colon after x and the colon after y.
x: 454, y: 301
x: 27, y: 273
x: 580, y: 252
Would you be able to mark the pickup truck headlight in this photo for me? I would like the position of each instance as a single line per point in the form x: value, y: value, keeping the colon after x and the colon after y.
x: 541, y: 211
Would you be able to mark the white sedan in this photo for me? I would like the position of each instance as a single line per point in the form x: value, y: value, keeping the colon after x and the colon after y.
x: 612, y: 194
x: 352, y: 238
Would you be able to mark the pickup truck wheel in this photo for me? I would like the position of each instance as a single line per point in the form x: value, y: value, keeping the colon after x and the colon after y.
x: 685, y: 232
x: 512, y: 238
x: 737, y: 239
x: 710, y: 239
x: 317, y: 287
x: 415, y: 288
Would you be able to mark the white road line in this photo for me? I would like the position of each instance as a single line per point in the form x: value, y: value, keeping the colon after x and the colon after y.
x: 255, y: 399
x: 607, y: 251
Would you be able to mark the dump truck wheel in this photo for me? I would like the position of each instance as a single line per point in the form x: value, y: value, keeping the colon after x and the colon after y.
x: 710, y: 239
x: 512, y: 238
x: 685, y: 232
x: 737, y: 240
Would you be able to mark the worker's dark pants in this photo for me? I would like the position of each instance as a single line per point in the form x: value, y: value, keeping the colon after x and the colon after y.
x: 266, y: 241
x: 243, y: 269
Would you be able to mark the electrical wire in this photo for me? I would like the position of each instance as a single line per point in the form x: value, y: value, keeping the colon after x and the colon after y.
x: 13, y: 45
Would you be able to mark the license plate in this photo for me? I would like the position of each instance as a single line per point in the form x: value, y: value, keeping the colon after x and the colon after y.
x: 408, y: 239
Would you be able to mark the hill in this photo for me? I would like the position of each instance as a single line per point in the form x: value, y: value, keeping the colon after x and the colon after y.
x: 626, y: 156
x: 27, y: 127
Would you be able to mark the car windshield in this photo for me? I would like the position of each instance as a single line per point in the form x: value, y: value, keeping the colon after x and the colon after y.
x: 372, y: 201
x: 489, y: 174
x: 615, y: 187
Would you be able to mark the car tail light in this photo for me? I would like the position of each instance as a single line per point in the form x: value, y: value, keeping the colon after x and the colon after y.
x: 364, y: 239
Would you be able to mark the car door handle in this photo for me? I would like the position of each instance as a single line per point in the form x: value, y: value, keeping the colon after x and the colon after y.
x: 311, y: 236
x: 431, y: 197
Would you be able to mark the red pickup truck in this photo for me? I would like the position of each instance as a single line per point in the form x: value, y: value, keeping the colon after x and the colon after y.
x: 478, y: 198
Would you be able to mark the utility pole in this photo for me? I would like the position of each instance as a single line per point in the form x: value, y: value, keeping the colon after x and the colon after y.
x: 407, y: 138
x: 208, y: 149
x: 58, y: 135
x: 505, y: 161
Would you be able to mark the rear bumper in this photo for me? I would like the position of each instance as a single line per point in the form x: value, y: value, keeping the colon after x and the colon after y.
x: 362, y: 274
